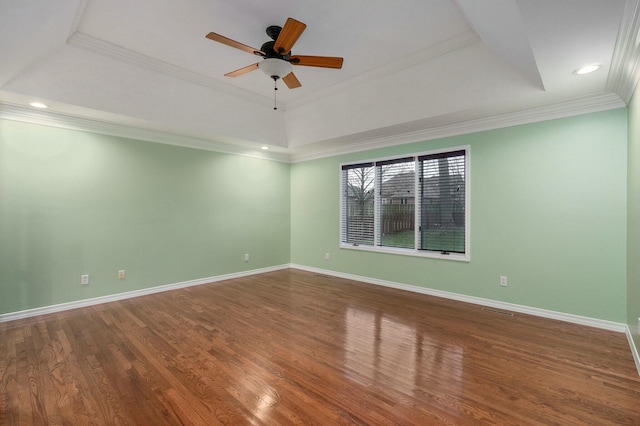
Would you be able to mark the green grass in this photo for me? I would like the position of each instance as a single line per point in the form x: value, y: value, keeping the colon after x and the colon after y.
x: 439, y: 239
x: 403, y: 239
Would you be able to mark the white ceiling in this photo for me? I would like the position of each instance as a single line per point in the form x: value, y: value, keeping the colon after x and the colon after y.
x: 413, y: 69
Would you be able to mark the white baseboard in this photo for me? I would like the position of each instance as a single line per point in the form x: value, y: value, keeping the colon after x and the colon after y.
x: 634, y: 349
x: 544, y: 313
x: 576, y: 319
x: 131, y: 294
x: 561, y: 316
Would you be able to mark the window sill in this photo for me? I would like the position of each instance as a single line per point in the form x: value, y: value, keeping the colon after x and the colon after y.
x: 459, y: 257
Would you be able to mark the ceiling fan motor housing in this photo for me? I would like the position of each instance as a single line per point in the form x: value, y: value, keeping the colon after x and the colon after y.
x: 269, y: 47
x: 274, y: 31
x: 269, y: 51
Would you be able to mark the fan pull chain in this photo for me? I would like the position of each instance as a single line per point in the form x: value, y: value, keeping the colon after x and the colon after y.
x: 275, y: 93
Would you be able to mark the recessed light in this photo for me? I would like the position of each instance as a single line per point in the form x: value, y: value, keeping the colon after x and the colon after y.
x: 587, y: 69
x: 265, y: 148
x: 38, y: 105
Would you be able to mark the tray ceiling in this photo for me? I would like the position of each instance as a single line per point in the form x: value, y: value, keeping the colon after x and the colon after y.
x: 412, y: 70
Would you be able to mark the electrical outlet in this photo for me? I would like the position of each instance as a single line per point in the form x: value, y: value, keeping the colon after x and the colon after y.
x: 503, y: 281
x: 121, y: 274
x: 84, y: 279
x: 246, y: 257
x: 327, y: 256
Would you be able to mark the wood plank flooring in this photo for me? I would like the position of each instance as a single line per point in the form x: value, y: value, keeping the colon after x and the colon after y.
x: 292, y: 347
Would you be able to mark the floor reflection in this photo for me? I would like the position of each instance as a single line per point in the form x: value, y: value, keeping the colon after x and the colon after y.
x: 400, y: 354
x: 264, y: 404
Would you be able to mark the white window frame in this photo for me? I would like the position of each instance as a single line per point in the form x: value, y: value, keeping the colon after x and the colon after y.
x: 376, y: 247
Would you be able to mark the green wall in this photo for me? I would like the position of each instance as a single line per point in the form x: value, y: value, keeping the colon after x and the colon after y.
x: 548, y: 210
x: 74, y: 203
x: 633, y: 221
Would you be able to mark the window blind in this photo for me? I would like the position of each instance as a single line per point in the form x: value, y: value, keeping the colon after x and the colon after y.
x: 442, y: 202
x: 358, y: 204
x: 397, y: 202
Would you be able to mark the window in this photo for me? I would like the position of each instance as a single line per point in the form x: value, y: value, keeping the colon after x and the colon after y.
x: 359, y: 203
x: 397, y: 213
x: 415, y: 205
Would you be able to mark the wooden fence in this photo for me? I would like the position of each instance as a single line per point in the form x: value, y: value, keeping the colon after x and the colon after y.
x: 398, y: 218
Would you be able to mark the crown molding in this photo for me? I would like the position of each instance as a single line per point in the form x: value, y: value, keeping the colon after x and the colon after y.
x: 82, y: 5
x: 347, y: 145
x: 597, y: 103
x: 93, y: 44
x: 27, y: 115
x: 96, y: 45
x: 625, y: 63
x: 460, y: 41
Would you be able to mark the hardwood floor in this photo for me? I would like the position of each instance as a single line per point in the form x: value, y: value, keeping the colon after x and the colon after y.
x: 292, y: 347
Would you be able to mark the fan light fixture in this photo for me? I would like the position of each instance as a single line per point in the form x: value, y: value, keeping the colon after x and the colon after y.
x: 274, y: 67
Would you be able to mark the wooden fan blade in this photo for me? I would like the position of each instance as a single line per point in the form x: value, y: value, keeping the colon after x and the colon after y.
x: 317, y: 61
x: 291, y: 81
x: 225, y: 40
x: 242, y: 70
x: 288, y: 36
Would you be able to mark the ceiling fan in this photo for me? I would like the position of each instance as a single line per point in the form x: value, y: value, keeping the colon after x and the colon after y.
x: 276, y: 54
